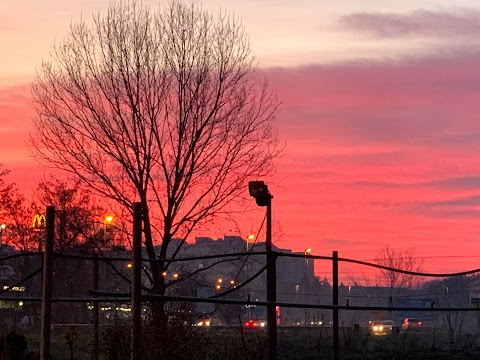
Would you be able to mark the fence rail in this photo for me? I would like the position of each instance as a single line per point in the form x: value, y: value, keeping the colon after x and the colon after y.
x: 140, y: 293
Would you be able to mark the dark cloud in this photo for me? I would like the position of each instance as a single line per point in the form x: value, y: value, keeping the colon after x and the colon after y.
x: 461, y: 182
x: 454, y: 183
x: 337, y: 241
x: 465, y: 23
x: 472, y: 200
x: 453, y: 208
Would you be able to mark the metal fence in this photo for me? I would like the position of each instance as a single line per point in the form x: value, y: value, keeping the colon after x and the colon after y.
x: 128, y: 290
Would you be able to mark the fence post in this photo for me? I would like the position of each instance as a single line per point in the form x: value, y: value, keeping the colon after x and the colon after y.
x: 96, y: 340
x: 135, y: 353
x: 335, y: 303
x: 271, y: 287
x: 46, y: 311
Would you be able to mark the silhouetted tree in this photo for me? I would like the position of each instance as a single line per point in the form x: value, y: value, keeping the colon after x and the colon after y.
x: 79, y: 218
x: 403, y: 260
x: 165, y: 108
x: 17, y: 214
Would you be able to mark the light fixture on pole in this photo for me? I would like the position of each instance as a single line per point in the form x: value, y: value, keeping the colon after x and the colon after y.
x: 2, y: 227
x: 107, y: 222
x: 259, y: 190
x: 249, y: 239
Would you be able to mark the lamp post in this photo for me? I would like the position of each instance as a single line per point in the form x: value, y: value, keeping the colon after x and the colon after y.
x: 259, y: 190
x: 305, y: 288
x: 249, y: 238
x: 107, y: 221
x: 249, y: 312
x: 2, y: 227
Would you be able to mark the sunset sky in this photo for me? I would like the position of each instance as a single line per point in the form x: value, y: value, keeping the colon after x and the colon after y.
x: 380, y: 104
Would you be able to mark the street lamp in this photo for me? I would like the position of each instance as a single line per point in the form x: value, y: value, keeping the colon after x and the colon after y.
x: 2, y: 227
x: 107, y: 221
x: 263, y: 197
x: 305, y: 288
x: 249, y: 238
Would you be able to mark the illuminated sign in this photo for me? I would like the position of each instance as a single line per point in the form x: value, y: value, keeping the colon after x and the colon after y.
x: 38, y: 223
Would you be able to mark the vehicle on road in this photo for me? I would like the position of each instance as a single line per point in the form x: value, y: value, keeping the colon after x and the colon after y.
x: 250, y: 324
x: 411, y: 324
x: 382, y: 327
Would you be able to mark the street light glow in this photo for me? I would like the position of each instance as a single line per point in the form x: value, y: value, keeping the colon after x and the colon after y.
x: 3, y: 226
x: 108, y: 219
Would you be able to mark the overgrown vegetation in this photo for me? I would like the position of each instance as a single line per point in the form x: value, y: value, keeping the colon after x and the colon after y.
x: 237, y: 344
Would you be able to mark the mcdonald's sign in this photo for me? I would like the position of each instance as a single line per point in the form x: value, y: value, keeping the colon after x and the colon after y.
x: 39, y: 222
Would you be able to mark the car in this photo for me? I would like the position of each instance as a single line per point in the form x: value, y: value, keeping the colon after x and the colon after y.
x: 411, y: 324
x: 250, y: 324
x: 382, y: 327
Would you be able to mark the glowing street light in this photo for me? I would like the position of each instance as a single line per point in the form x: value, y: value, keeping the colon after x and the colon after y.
x: 249, y: 239
x: 106, y: 222
x: 2, y: 227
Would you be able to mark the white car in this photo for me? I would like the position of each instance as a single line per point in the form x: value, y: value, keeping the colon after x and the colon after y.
x: 382, y: 327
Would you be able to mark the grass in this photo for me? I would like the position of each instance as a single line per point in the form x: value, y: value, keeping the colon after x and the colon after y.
x: 233, y: 344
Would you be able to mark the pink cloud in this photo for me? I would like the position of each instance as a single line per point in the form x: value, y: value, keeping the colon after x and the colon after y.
x: 377, y: 153
x: 381, y: 152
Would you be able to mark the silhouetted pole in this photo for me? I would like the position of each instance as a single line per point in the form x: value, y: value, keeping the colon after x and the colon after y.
x: 135, y: 353
x: 335, y: 302
x: 46, y: 311
x: 96, y: 338
x: 262, y: 196
x: 271, y: 287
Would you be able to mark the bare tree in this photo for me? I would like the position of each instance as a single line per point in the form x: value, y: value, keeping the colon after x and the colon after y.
x: 5, y: 187
x: 399, y: 259
x: 79, y: 217
x: 16, y: 212
x: 165, y: 108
